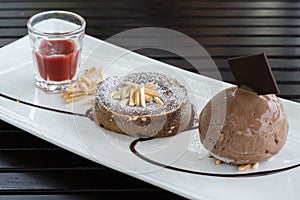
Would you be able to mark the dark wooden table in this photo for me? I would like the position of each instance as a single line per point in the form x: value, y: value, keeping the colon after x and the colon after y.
x: 31, y: 168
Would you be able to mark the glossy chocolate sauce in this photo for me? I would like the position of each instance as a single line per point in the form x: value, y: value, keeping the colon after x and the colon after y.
x: 252, y: 174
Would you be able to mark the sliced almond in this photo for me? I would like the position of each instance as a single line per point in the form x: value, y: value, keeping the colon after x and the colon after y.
x: 85, y: 80
x: 148, y: 98
x: 92, y: 90
x: 74, y: 90
x: 255, y: 166
x: 142, y: 96
x: 93, y: 83
x: 64, y: 94
x: 101, y: 73
x: 92, y: 71
x: 131, y: 97
x: 221, y: 137
x: 77, y: 94
x: 151, y: 86
x: 123, y: 93
x: 112, y: 94
x: 69, y: 100
x: 132, y: 85
x: 100, y: 78
x: 244, y: 167
x: 115, y: 95
x: 127, y: 91
x: 152, y: 93
x: 73, y: 85
x: 218, y: 162
x: 137, y: 97
x: 83, y: 87
x: 158, y: 101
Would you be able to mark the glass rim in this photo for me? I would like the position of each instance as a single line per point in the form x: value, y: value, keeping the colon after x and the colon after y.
x: 39, y: 32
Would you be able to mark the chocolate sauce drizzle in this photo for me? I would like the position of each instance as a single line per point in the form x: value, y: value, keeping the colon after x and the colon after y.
x: 252, y: 174
x: 41, y: 107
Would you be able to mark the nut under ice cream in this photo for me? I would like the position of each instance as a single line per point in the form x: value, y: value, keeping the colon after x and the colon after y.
x: 254, y: 127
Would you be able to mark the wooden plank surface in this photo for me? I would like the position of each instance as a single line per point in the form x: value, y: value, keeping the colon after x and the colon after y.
x: 31, y: 168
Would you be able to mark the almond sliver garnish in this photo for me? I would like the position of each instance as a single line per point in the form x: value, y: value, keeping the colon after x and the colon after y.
x: 148, y: 98
x: 83, y: 87
x: 85, y: 80
x: 152, y: 93
x: 158, y: 101
x: 151, y: 86
x: 137, y: 97
x: 255, y: 166
x: 142, y: 96
x: 92, y: 90
x: 244, y: 167
x: 132, y: 85
x: 74, y: 90
x: 77, y: 94
x: 131, y: 97
x: 115, y: 95
x: 101, y: 73
x: 73, y: 85
x: 127, y: 91
x: 69, y: 100
x: 91, y: 72
x: 123, y: 93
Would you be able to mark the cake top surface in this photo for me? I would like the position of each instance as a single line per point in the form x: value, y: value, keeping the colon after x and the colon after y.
x: 173, y: 93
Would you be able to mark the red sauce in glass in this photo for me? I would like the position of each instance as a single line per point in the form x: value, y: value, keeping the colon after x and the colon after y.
x: 57, y: 59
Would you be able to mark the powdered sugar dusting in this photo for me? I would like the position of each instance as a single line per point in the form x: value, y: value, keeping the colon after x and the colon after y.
x: 172, y: 93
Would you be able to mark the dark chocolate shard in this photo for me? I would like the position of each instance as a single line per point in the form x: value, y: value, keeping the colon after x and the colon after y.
x: 254, y: 72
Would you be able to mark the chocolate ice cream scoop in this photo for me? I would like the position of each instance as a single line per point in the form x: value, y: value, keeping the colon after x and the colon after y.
x: 254, y: 129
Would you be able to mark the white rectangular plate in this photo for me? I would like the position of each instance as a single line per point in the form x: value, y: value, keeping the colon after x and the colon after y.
x: 173, y: 163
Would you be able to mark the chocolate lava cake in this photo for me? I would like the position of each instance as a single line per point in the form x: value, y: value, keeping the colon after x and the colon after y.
x: 142, y: 104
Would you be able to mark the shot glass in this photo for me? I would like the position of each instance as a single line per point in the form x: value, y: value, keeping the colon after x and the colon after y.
x: 56, y: 39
